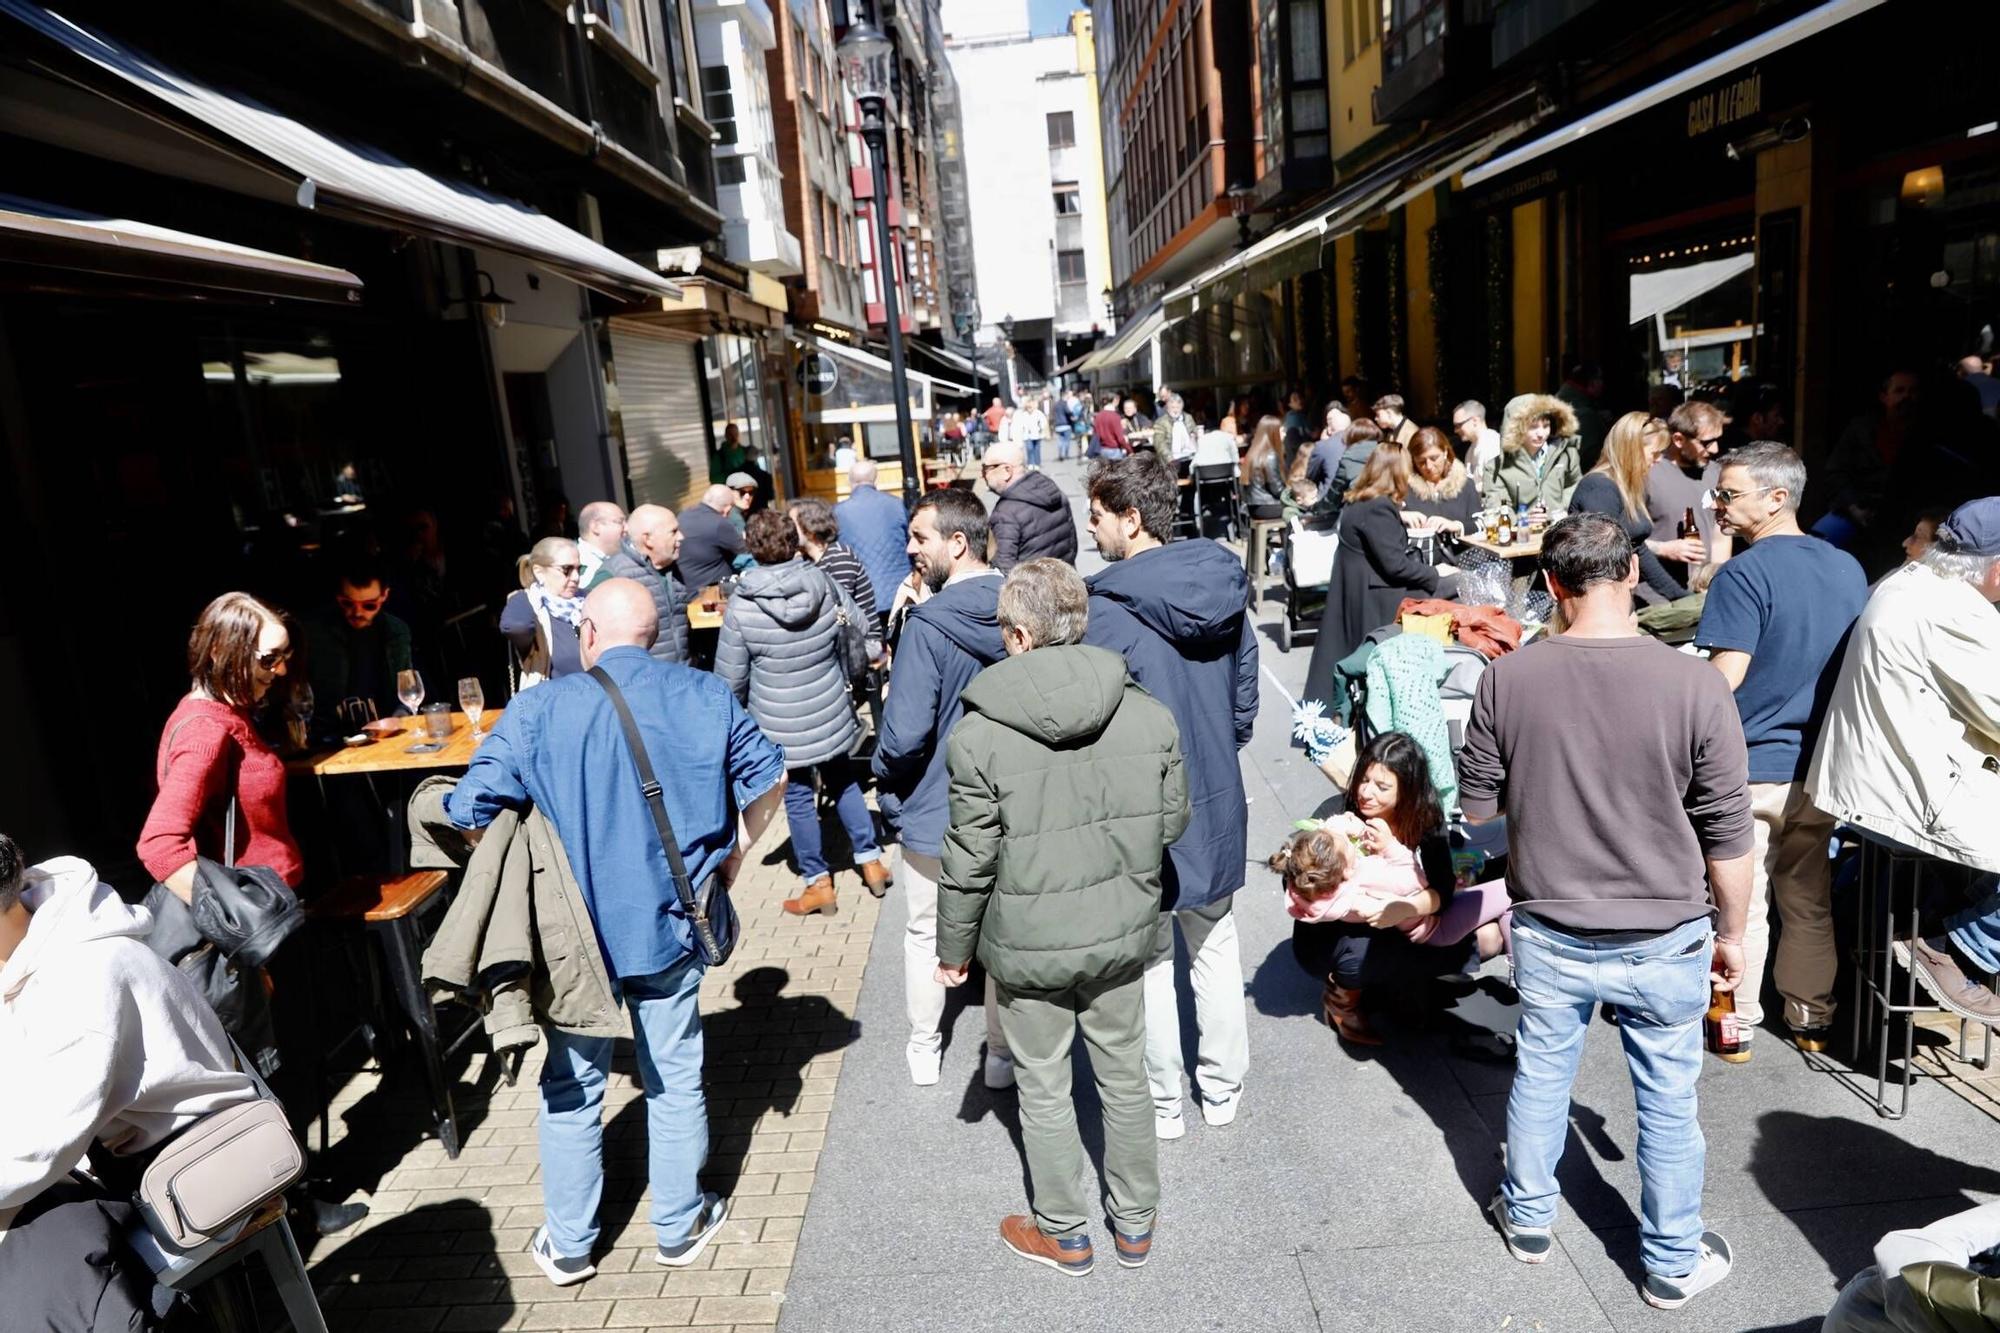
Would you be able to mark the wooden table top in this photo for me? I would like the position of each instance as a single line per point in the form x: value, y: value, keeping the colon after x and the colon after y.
x: 700, y: 619
x: 393, y: 754
x: 1527, y: 550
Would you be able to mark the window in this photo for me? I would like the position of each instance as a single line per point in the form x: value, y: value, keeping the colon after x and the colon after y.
x: 1062, y: 129
x: 1069, y: 266
x: 1069, y: 201
x: 611, y: 13
x: 729, y: 171
x: 720, y: 100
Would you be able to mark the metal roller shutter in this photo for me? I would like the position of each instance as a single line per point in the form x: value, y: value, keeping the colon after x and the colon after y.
x: 659, y: 407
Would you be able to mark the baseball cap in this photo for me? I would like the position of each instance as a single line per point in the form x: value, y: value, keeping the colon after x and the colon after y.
x: 1974, y: 527
x: 740, y: 481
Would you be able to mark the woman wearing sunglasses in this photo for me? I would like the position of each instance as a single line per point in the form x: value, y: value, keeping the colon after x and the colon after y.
x: 542, y: 619
x: 210, y: 752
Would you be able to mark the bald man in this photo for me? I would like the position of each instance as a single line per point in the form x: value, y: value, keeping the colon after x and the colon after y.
x: 875, y: 528
x: 711, y: 546
x: 650, y: 545
x: 600, y: 527
x: 1031, y: 515
x: 561, y: 746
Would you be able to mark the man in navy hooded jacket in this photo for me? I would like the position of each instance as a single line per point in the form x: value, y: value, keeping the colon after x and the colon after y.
x: 947, y: 640
x: 1178, y: 613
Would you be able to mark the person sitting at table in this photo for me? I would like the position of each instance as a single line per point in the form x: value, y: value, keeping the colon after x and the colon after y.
x: 1538, y: 466
x: 779, y: 653
x: 1440, y: 488
x: 1617, y: 487
x: 1374, y: 568
x: 711, y: 546
x: 542, y: 619
x: 353, y: 646
x: 114, y: 1052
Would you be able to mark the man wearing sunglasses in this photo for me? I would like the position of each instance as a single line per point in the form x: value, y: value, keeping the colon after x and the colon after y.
x: 1680, y: 481
x: 353, y: 646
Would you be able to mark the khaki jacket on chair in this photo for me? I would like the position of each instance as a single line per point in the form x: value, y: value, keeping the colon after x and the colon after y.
x: 518, y: 934
x: 1911, y: 744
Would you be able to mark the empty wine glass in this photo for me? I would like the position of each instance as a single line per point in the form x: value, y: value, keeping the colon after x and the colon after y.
x: 472, y: 701
x: 410, y: 689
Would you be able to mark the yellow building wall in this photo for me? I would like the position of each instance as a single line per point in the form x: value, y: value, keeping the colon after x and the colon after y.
x: 1343, y: 309
x: 1353, y: 81
x: 1530, y: 295
x: 1418, y: 218
x: 1096, y: 228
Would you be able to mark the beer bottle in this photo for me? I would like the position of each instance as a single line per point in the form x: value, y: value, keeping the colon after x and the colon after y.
x: 1505, y: 533
x: 1687, y: 526
x: 1721, y: 1030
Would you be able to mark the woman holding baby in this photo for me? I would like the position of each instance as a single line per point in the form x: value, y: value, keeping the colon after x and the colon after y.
x: 1372, y: 890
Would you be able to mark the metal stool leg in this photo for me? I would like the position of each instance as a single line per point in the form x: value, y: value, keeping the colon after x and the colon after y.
x: 288, y: 1273
x: 406, y: 975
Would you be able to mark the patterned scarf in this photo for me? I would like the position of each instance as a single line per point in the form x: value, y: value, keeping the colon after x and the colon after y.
x: 569, y: 610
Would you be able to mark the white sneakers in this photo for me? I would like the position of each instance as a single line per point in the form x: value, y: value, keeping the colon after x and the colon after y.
x: 1213, y: 1114
x: 924, y: 1064
x: 999, y: 1071
x: 1168, y: 1126
x: 1218, y: 1114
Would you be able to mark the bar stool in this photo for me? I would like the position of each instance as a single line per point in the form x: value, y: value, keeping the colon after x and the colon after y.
x: 265, y: 1234
x: 1888, y: 898
x: 390, y: 909
x: 1263, y: 531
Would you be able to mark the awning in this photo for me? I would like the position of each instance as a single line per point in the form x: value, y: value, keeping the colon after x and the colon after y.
x: 1129, y: 339
x: 940, y: 365
x: 863, y: 389
x: 1808, y: 24
x: 1668, y: 289
x: 356, y: 181
x: 44, y: 235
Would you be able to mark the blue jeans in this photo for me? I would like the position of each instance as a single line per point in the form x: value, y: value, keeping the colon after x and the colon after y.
x: 1660, y: 988
x: 1976, y: 930
x: 1034, y: 453
x: 802, y: 813
x: 666, y: 1034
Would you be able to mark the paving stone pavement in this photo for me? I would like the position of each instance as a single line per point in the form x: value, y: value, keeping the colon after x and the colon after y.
x: 444, y: 1247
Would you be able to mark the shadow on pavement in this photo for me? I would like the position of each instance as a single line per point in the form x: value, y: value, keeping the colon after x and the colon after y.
x: 365, y: 1281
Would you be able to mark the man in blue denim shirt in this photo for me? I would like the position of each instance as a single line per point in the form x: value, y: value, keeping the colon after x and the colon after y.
x: 1621, y: 767
x: 560, y: 746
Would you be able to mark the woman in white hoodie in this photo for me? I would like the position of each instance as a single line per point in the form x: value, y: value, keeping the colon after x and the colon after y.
x: 121, y: 1049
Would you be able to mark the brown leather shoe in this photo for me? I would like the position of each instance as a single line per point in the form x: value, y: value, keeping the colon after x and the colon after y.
x: 876, y: 877
x: 818, y: 897
x: 1341, y: 1008
x: 1069, y: 1254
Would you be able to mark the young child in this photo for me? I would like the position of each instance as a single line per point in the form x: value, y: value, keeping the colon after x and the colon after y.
x: 1340, y: 869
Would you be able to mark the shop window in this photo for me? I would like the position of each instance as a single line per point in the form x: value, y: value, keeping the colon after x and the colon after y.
x: 1069, y: 202
x: 1062, y: 129
x: 1692, y: 309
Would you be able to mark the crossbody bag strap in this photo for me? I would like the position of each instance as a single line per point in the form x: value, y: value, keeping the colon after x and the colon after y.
x: 648, y: 784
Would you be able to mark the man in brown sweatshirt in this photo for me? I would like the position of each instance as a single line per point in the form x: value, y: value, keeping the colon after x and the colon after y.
x: 1621, y: 767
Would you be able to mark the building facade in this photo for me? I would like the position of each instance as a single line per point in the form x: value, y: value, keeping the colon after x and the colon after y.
x: 1042, y: 259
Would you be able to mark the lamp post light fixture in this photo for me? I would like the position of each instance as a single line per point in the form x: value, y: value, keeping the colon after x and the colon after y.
x: 1240, y: 199
x: 869, y: 57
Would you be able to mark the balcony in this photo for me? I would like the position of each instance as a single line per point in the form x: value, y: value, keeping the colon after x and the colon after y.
x: 1433, y: 51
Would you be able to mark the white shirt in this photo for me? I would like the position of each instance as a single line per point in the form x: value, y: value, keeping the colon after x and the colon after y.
x: 1483, y: 454
x: 1031, y: 424
x: 1183, y: 439
x: 1214, y: 447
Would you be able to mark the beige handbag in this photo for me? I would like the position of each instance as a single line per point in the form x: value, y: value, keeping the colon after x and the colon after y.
x: 216, y: 1170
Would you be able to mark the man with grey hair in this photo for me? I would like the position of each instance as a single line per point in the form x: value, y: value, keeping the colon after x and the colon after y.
x: 1056, y: 743
x: 600, y: 527
x: 1031, y: 513
x: 1910, y: 750
x: 1775, y: 623
x: 873, y: 526
x: 1174, y: 436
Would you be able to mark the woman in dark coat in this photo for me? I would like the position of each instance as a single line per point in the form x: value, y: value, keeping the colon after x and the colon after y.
x: 1374, y: 568
x: 1440, y: 487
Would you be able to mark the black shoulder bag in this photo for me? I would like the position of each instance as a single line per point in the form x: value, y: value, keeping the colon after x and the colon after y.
x: 708, y: 909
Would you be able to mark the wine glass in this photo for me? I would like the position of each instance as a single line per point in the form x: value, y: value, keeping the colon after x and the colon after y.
x: 410, y: 689
x: 472, y: 701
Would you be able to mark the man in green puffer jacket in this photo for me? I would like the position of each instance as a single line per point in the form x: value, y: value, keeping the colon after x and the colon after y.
x: 1066, y: 787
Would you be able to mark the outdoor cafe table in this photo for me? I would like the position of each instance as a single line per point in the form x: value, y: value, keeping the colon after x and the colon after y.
x: 391, y: 755
x: 1525, y: 557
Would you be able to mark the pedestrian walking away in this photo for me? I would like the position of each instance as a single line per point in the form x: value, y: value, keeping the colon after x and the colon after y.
x: 1613, y: 916
x: 946, y: 641
x: 562, y: 748
x: 1177, y: 612
x: 1058, y: 742
x: 1031, y: 514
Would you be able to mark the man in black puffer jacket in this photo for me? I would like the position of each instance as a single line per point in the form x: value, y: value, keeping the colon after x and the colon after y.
x: 1032, y: 517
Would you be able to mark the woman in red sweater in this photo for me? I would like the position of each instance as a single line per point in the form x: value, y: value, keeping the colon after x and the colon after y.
x: 210, y: 752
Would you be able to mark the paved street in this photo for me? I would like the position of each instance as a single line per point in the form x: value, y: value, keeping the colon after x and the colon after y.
x: 1348, y: 1195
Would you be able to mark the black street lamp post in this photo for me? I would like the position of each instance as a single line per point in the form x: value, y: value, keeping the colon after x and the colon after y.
x: 869, y: 58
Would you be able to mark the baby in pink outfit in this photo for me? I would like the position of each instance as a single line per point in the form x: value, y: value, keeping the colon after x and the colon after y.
x: 1329, y: 874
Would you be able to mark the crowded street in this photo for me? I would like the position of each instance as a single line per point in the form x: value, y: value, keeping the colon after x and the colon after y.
x: 854, y: 666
